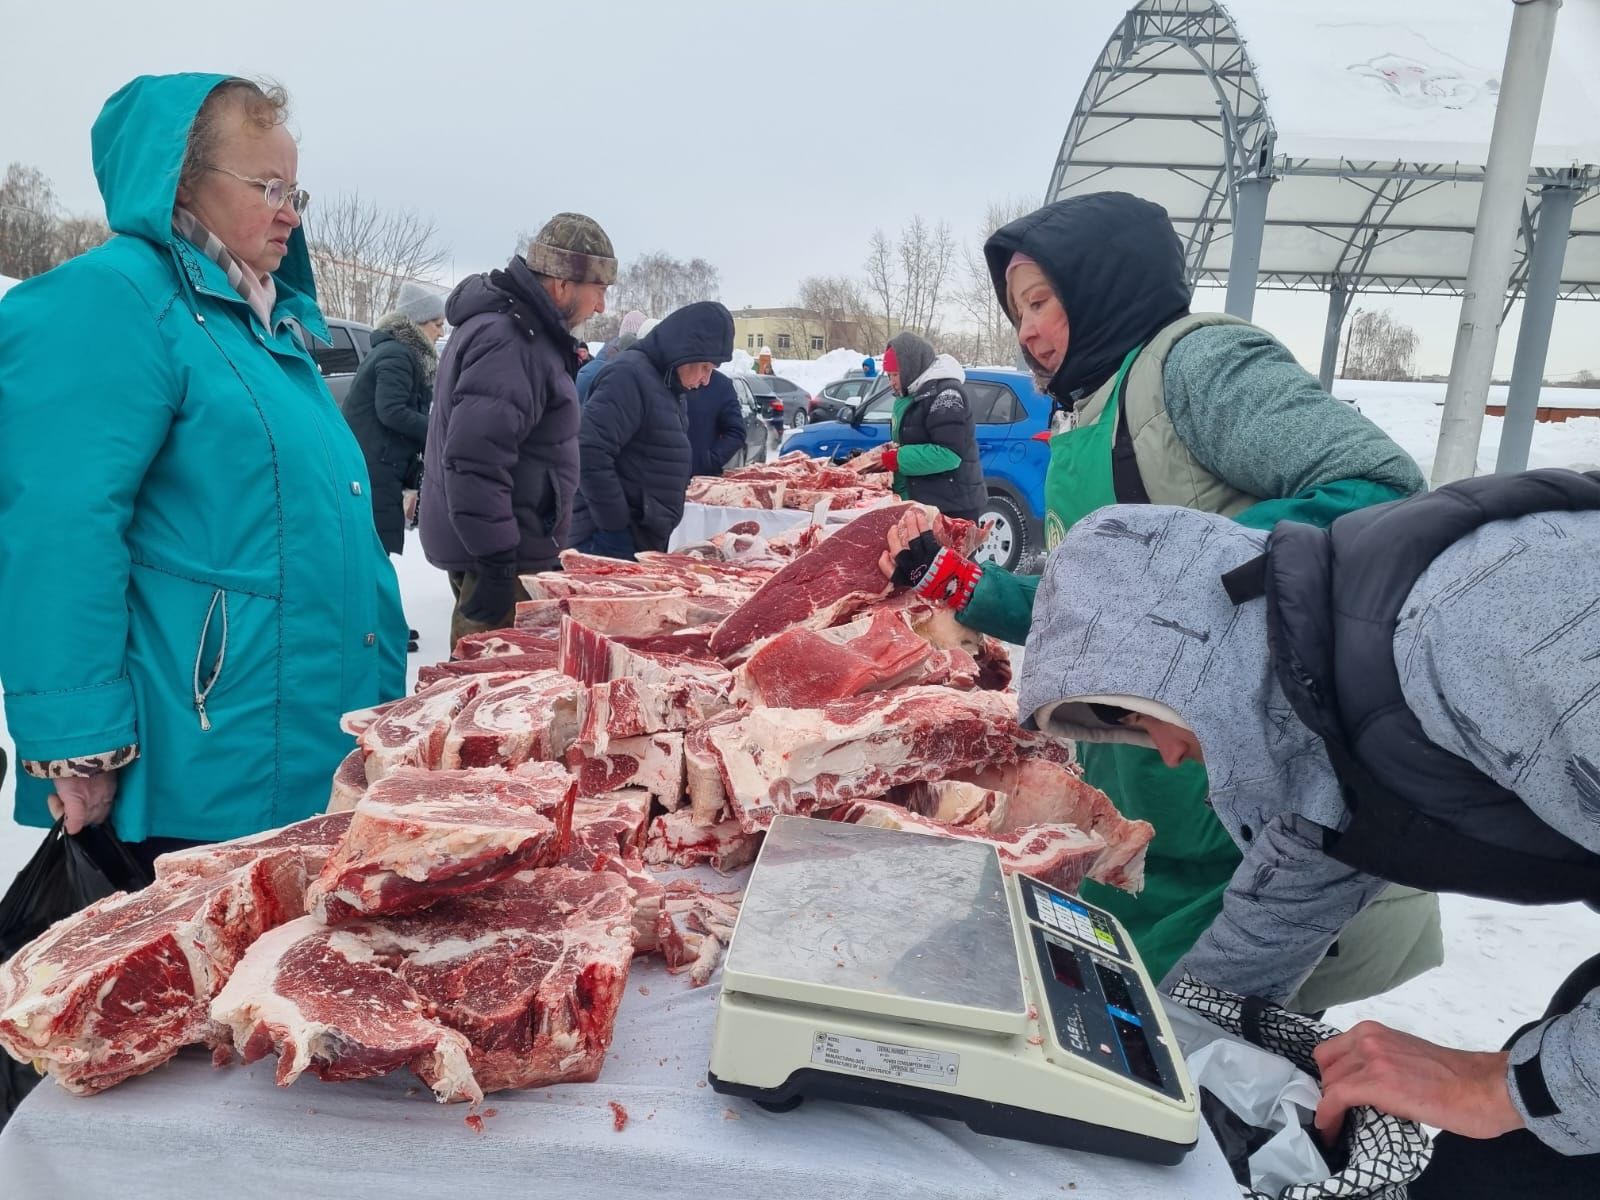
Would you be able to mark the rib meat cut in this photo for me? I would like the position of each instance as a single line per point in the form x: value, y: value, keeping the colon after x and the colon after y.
x: 516, y: 986
x: 419, y: 835
x: 777, y: 760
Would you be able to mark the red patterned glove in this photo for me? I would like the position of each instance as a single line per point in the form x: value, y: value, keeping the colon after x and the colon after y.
x: 936, y: 572
x: 891, y: 457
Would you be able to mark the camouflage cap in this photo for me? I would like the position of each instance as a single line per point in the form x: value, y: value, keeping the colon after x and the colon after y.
x: 573, y: 246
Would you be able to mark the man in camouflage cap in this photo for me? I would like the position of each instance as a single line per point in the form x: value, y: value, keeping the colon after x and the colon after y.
x: 501, y: 464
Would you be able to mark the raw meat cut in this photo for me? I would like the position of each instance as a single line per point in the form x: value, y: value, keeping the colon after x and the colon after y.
x: 592, y: 657
x: 419, y: 835
x: 498, y: 643
x: 643, y: 614
x: 677, y: 841
x: 733, y: 493
x: 411, y: 733
x: 702, y: 769
x: 647, y: 895
x: 829, y: 584
x: 117, y: 989
x: 652, y: 763
x: 777, y: 760
x: 427, y: 676
x: 806, y: 668
x: 1061, y: 855
x: 1036, y: 792
x: 607, y: 827
x: 693, y: 926
x: 327, y: 1003
x: 349, y: 782
x: 309, y: 843
x: 516, y: 986
x: 529, y: 717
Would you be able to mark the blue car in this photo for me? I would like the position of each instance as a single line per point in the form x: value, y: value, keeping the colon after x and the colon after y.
x: 1011, y: 414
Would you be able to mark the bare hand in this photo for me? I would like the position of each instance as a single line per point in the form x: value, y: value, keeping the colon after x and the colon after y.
x: 1462, y: 1091
x: 84, y: 802
x: 904, y: 531
x: 408, y: 505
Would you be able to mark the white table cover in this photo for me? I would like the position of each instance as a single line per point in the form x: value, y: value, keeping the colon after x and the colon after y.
x: 190, y: 1130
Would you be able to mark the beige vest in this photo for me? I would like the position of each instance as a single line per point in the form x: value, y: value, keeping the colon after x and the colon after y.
x: 1170, y: 473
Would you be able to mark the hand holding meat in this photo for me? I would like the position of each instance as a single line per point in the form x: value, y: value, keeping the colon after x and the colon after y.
x: 918, y: 560
x: 84, y: 802
x: 879, y: 458
x: 1461, y: 1091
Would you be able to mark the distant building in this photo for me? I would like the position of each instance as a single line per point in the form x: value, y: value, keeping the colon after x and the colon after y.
x: 802, y: 333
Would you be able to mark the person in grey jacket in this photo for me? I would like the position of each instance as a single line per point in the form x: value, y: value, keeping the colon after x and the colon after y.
x: 501, y: 464
x: 1401, y: 697
x: 635, y: 455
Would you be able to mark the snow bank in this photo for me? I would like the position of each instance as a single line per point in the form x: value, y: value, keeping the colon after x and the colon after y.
x: 6, y: 283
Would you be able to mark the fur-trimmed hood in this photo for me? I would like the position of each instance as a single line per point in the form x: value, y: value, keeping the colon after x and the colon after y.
x: 400, y: 328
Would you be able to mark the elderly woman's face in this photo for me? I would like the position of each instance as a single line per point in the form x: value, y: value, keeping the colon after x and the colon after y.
x: 236, y: 211
x: 1041, y: 319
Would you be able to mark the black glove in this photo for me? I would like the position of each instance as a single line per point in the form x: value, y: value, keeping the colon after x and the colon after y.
x: 912, y: 563
x: 494, y: 594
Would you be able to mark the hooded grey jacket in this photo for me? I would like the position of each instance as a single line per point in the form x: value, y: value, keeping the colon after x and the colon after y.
x: 1132, y: 612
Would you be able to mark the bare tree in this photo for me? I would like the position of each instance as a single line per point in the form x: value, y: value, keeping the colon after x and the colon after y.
x: 907, y: 278
x: 1379, y: 347
x: 362, y: 253
x: 881, y: 282
x: 29, y: 215
x: 77, y: 234
x: 657, y: 283
x: 974, y: 292
x: 837, y: 305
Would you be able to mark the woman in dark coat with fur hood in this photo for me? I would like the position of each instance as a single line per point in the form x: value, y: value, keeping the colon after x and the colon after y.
x: 387, y: 405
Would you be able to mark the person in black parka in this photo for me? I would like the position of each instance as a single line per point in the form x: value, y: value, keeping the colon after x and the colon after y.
x: 716, y: 425
x: 634, y: 453
x: 388, y: 402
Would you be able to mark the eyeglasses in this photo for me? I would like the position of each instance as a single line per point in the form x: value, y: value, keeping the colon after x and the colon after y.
x: 277, y: 191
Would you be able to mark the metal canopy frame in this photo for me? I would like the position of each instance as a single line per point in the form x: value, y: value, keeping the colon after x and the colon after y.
x: 1174, y: 110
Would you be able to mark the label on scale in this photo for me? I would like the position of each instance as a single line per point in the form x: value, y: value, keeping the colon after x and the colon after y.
x: 903, y: 1064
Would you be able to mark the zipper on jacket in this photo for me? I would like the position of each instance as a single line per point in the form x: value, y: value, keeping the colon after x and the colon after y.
x: 202, y: 690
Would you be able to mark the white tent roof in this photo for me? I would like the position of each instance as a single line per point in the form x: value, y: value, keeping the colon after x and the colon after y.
x: 1373, y: 115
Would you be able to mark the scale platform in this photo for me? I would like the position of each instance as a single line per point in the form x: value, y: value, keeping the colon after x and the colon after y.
x: 908, y: 972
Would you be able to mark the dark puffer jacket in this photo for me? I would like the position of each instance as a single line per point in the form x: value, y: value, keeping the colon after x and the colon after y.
x: 501, y: 465
x: 387, y: 409
x: 716, y: 425
x: 634, y: 441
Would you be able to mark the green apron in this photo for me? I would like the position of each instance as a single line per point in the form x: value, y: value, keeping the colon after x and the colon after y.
x: 1192, y: 858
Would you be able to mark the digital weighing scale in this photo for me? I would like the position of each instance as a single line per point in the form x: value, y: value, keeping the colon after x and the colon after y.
x: 908, y: 972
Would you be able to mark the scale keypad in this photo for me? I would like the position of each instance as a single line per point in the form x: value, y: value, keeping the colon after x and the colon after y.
x: 1068, y: 915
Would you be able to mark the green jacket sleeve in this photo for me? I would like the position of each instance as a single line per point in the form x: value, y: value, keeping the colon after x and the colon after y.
x: 77, y: 433
x: 926, y: 459
x: 1254, y: 417
x: 1001, y: 605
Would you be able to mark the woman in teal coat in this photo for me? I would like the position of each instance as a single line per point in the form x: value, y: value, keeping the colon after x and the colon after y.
x: 193, y: 591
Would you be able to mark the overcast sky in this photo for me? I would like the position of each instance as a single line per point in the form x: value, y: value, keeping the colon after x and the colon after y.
x: 771, y: 139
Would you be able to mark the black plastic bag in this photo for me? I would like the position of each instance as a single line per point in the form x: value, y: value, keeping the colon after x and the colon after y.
x: 66, y: 875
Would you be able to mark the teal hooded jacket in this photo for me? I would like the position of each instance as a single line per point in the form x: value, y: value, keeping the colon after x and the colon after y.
x: 187, y: 555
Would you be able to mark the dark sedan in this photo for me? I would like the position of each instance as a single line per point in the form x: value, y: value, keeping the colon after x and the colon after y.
x: 761, y: 428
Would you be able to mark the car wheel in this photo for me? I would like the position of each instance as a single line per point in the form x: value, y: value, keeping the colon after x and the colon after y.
x: 801, y: 418
x: 1007, y: 543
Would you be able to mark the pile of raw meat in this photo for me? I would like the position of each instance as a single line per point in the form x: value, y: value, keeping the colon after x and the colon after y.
x: 470, y: 905
x: 794, y: 481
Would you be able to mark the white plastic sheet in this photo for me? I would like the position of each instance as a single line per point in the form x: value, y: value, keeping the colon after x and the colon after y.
x: 1261, y: 1088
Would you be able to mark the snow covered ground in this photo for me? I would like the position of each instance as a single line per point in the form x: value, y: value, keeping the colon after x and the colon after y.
x: 1501, y: 962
